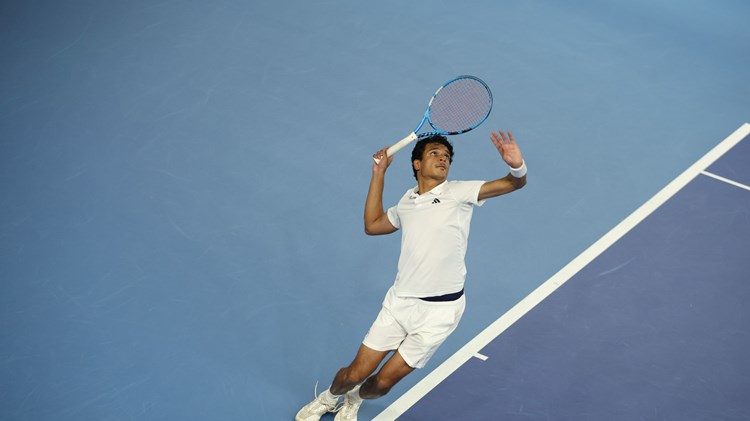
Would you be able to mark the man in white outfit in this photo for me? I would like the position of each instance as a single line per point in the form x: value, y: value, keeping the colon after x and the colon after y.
x: 426, y: 301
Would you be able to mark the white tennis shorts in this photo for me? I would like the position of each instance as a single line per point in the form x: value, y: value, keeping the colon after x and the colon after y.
x: 416, y: 328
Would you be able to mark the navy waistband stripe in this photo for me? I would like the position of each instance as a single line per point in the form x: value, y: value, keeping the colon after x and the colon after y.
x: 447, y: 297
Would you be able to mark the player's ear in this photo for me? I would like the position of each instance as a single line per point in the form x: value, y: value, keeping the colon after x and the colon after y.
x: 416, y: 164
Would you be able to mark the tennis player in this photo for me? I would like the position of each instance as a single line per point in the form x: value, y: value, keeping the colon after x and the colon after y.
x: 426, y: 301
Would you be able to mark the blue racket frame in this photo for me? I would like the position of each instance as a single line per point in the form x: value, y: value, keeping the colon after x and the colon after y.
x: 429, y: 105
x: 426, y: 118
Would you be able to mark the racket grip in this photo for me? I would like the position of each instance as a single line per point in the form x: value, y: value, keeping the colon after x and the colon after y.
x: 398, y: 146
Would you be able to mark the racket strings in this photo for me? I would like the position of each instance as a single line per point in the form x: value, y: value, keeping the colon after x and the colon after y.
x: 460, y: 106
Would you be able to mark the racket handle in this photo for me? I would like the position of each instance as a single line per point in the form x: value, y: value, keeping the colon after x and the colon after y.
x: 398, y: 146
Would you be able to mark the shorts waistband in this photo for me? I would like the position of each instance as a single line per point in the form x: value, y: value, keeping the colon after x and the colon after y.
x: 447, y: 297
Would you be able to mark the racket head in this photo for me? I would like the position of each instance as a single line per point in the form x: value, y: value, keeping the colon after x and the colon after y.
x: 459, y: 105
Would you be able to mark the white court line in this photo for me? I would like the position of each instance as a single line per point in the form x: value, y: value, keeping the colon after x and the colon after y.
x: 726, y: 180
x: 472, y: 348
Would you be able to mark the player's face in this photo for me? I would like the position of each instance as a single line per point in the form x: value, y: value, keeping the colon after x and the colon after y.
x: 436, y: 161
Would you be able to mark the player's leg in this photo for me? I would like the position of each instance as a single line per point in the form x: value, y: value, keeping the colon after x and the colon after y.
x: 364, y: 364
x: 375, y: 386
x: 381, y: 383
x: 384, y: 335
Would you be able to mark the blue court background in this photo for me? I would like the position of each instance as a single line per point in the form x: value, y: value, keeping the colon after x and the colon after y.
x: 182, y: 181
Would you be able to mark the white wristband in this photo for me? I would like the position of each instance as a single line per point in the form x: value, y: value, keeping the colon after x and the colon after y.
x: 520, y: 171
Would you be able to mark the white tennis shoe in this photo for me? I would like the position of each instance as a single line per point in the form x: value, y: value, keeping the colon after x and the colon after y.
x: 317, y: 408
x: 349, y: 410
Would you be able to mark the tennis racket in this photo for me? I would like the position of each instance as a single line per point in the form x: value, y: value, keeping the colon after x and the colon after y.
x: 459, y: 105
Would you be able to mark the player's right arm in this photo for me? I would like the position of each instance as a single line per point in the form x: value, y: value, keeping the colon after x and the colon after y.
x: 376, y: 219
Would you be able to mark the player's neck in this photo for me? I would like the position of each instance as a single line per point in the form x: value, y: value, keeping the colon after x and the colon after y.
x: 424, y: 184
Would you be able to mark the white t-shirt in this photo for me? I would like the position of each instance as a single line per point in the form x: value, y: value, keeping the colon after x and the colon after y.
x: 435, y: 233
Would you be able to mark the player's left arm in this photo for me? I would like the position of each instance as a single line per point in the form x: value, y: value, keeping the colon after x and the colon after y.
x: 511, y: 154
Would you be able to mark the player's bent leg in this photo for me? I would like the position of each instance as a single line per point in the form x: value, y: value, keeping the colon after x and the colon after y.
x: 374, y: 387
x: 380, y: 384
x: 365, y: 363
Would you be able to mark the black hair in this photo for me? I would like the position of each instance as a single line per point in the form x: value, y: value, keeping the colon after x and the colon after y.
x: 418, y: 151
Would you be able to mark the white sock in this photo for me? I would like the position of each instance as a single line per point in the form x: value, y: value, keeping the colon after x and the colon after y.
x: 354, y: 394
x: 330, y: 397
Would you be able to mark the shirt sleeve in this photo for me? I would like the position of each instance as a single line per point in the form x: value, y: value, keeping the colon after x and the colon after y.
x: 393, y: 217
x: 468, y: 191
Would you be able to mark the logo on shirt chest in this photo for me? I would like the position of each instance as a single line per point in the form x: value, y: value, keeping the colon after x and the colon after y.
x: 436, y: 201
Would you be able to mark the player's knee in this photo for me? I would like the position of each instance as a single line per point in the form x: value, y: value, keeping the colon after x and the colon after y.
x: 376, y: 386
x: 353, y: 376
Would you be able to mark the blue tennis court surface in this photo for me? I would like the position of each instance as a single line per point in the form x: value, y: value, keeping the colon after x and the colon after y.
x: 183, y: 183
x: 655, y: 327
